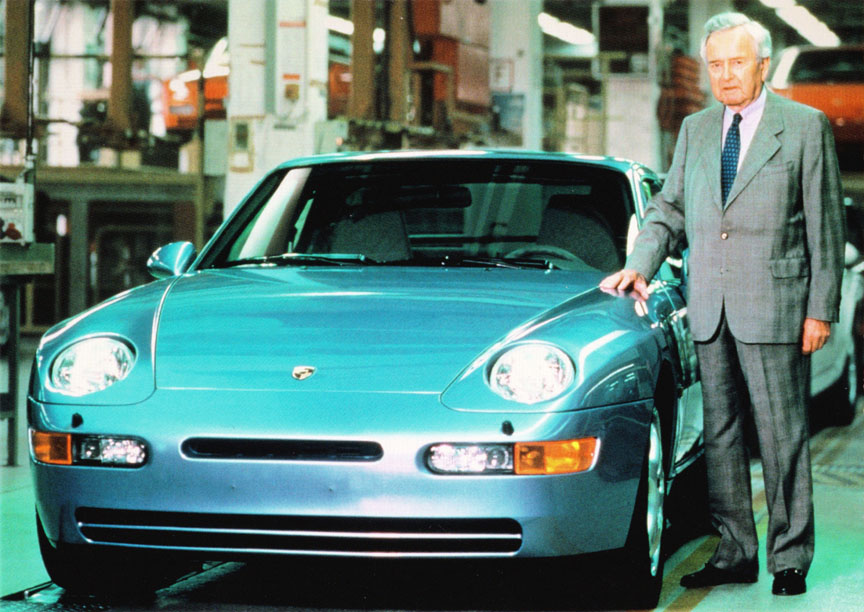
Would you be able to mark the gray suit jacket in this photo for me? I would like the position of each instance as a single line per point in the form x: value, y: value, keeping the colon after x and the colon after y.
x: 774, y: 254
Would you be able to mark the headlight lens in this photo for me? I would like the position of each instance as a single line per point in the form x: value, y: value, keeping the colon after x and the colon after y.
x: 531, y: 373
x: 91, y: 365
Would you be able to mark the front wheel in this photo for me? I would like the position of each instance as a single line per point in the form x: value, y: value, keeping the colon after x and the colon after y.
x: 643, y: 552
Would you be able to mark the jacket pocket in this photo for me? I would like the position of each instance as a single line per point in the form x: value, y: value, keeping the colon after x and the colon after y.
x: 778, y: 167
x: 790, y: 267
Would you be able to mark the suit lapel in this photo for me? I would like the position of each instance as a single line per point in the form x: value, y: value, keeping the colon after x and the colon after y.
x: 763, y: 147
x: 708, y: 140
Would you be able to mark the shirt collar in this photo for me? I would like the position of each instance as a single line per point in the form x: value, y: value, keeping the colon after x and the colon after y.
x: 754, y: 108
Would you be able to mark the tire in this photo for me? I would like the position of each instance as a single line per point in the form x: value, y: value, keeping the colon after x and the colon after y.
x: 643, y: 558
x: 85, y: 570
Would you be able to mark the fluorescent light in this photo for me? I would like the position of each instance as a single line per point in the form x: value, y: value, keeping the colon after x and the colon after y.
x: 809, y: 26
x: 564, y: 31
x: 346, y: 27
x: 778, y: 4
x: 378, y: 38
x: 337, y: 24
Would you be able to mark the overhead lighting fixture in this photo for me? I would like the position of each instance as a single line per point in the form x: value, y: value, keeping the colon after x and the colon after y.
x: 342, y: 26
x: 346, y: 27
x: 379, y: 36
x: 809, y: 26
x: 803, y: 21
x: 564, y: 31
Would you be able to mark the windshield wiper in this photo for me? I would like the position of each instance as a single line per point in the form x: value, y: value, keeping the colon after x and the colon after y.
x: 302, y: 259
x: 500, y: 262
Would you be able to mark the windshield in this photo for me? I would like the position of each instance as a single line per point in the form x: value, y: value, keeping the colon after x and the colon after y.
x: 829, y: 65
x: 455, y: 212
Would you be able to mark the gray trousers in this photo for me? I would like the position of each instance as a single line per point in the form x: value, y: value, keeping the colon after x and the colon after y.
x: 776, y: 378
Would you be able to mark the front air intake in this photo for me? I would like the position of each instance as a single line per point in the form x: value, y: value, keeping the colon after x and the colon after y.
x: 262, y: 449
x: 317, y: 535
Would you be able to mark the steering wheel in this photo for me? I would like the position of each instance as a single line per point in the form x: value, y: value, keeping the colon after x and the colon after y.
x: 543, y: 251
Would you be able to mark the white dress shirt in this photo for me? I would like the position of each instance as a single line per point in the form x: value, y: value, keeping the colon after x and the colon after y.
x: 750, y: 116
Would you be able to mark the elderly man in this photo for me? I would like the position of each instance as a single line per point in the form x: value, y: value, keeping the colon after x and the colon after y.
x: 754, y: 189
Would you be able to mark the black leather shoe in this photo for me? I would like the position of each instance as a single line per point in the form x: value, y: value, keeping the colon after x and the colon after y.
x: 789, y: 582
x: 712, y: 576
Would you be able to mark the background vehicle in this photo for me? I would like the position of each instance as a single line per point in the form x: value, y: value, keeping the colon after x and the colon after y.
x: 832, y: 80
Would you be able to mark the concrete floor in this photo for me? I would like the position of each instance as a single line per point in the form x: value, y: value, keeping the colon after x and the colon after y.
x: 835, y: 583
x: 836, y: 579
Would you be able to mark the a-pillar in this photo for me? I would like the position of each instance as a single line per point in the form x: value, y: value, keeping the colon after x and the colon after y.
x: 516, y: 51
x: 277, y: 86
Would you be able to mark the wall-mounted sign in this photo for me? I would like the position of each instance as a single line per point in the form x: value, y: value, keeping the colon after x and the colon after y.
x: 16, y: 213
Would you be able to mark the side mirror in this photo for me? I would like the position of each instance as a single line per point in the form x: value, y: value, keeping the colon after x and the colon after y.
x: 171, y: 260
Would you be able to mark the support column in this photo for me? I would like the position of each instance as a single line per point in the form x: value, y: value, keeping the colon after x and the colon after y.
x: 697, y: 14
x: 120, y: 103
x: 79, y: 255
x: 277, y: 84
x: 361, y: 103
x: 517, y: 43
x: 17, y: 78
x: 400, y: 56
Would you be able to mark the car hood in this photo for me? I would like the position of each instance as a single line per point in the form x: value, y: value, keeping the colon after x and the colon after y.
x: 364, y: 329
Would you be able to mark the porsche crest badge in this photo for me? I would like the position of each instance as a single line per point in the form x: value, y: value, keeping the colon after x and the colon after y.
x: 303, y: 372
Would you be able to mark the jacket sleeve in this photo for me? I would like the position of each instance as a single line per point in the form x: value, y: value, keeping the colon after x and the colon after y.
x: 663, y: 227
x: 824, y: 218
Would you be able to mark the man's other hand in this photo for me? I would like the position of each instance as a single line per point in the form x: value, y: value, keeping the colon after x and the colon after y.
x: 816, y: 334
x: 626, y: 281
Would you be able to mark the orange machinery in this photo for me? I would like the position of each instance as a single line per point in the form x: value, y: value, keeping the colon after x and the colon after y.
x: 180, y: 93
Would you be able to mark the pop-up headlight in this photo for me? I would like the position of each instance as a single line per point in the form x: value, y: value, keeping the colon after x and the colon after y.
x: 531, y: 373
x: 91, y: 365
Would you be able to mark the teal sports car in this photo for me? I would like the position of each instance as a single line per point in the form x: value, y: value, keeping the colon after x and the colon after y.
x: 390, y: 355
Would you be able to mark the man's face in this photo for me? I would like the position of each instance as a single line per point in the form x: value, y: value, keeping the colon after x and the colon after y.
x: 735, y: 72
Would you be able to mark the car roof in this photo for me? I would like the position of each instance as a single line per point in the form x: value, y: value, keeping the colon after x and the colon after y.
x: 616, y: 163
x: 789, y: 57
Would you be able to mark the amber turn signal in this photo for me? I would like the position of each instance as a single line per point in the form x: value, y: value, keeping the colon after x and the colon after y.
x: 53, y: 448
x: 558, y: 457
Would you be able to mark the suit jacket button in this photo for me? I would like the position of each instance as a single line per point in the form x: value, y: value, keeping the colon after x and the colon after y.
x: 724, y: 236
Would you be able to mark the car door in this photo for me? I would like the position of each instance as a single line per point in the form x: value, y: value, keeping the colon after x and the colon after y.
x: 670, y: 283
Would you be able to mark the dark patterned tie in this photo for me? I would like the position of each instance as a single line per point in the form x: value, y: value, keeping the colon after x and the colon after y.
x: 729, y: 157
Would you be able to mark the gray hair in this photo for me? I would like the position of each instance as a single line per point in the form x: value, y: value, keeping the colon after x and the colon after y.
x: 725, y: 21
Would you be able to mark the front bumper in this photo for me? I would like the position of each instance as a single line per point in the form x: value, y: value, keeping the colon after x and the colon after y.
x: 393, y: 506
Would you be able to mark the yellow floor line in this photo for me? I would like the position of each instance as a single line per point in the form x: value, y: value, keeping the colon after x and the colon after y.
x: 688, y: 599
